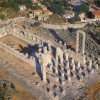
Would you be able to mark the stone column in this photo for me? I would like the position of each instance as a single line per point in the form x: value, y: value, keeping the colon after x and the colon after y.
x: 44, y: 49
x: 62, y: 75
x: 56, y: 64
x: 80, y: 70
x: 68, y: 64
x: 72, y: 61
x: 84, y: 60
x: 74, y: 67
x: 56, y: 57
x: 96, y: 66
x: 51, y: 66
x: 49, y: 47
x: 66, y: 56
x: 56, y: 70
x: 68, y: 72
x: 44, y: 71
x: 77, y: 42
x: 78, y: 65
x: 61, y: 58
x: 69, y: 78
x: 58, y: 52
x: 83, y: 44
x: 90, y: 64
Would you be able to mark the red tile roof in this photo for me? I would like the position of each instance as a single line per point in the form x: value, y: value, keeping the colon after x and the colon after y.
x: 96, y: 12
x: 30, y: 10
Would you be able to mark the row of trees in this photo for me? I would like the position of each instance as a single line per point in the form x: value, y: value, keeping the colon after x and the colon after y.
x: 15, y: 3
x: 74, y: 19
x: 57, y: 6
x: 83, y: 8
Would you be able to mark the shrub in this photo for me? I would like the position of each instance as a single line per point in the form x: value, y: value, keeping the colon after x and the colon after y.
x: 71, y: 20
x: 2, y: 17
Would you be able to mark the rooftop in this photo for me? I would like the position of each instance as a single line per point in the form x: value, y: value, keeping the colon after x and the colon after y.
x: 39, y: 10
x: 96, y: 12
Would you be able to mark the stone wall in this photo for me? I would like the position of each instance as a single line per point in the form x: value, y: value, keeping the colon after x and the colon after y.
x: 63, y: 26
x: 29, y: 60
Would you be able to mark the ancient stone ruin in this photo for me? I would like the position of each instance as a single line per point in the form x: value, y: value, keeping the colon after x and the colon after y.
x: 56, y: 65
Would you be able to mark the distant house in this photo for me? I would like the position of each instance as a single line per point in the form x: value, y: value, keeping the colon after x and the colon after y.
x: 36, y: 1
x: 69, y: 15
x: 96, y: 13
x: 48, y: 12
x: 40, y: 14
x: 43, y: 7
x: 31, y: 15
x: 86, y: 17
x: 82, y: 17
x: 43, y: 17
x: 22, y: 7
x: 74, y: 1
x: 37, y: 13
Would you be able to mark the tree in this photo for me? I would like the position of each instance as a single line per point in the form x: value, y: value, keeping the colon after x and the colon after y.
x: 83, y: 8
x: 15, y: 7
x: 77, y: 18
x: 36, y: 7
x: 15, y: 3
x: 57, y: 9
x: 2, y: 17
x: 48, y: 4
x: 71, y: 20
x: 90, y: 15
x: 56, y: 6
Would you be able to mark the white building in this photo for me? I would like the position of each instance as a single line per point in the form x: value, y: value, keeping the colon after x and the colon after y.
x: 22, y: 7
